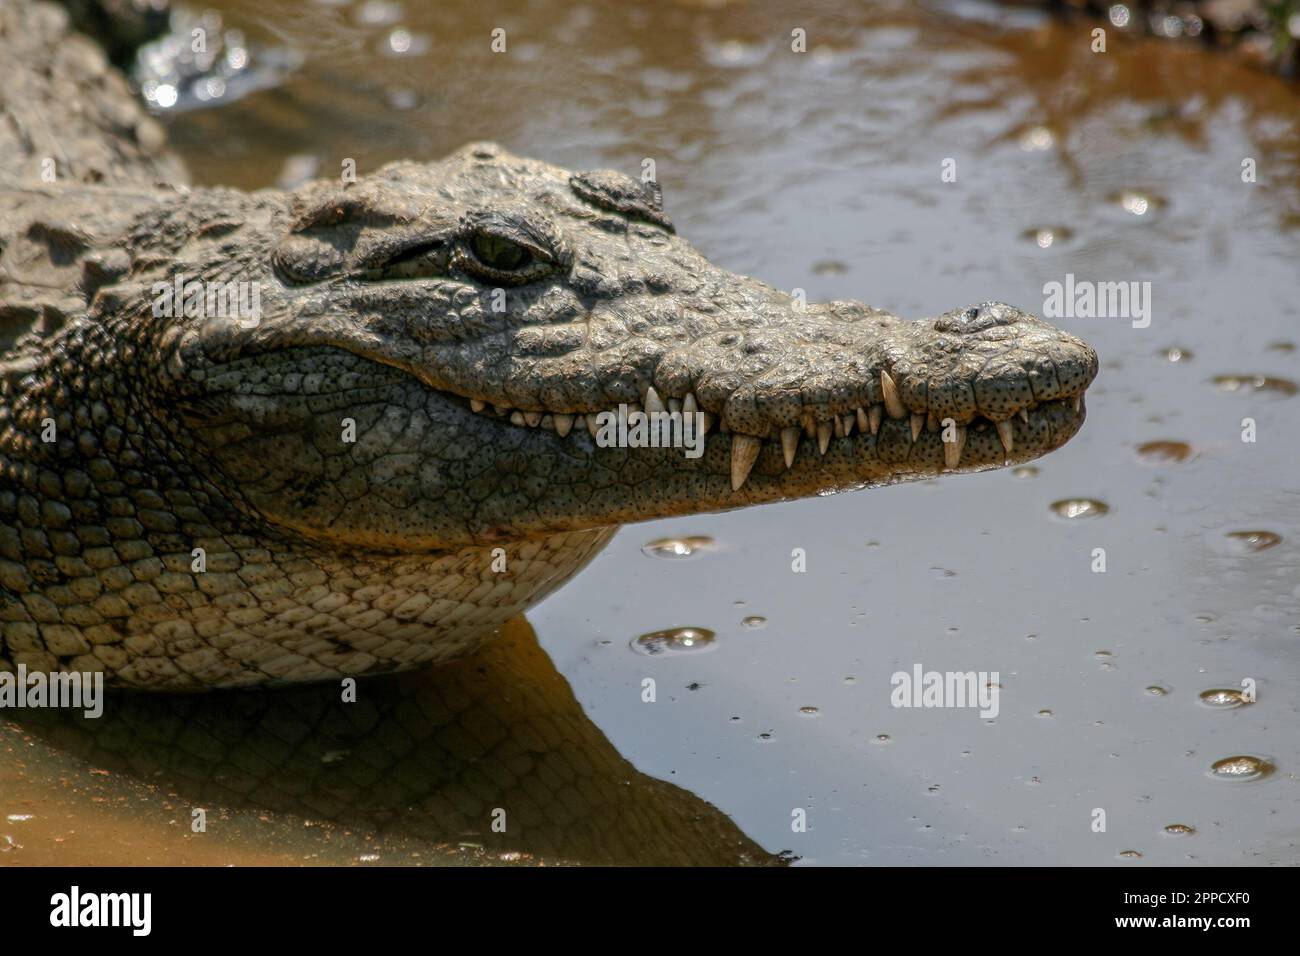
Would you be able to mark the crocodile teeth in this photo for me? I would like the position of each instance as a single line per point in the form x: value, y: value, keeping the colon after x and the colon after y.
x: 533, y: 419
x: 918, y: 422
x: 848, y: 425
x: 689, y: 406
x: 1006, y: 435
x: 790, y: 444
x: 875, y: 414
x: 809, y: 423
x: 839, y: 426
x: 1078, y: 402
x: 1024, y: 415
x: 823, y: 436
x: 744, y: 452
x: 517, y: 418
x: 893, y: 404
x: 863, y: 424
x: 653, y: 403
x: 952, y: 449
x: 477, y: 405
x: 563, y: 425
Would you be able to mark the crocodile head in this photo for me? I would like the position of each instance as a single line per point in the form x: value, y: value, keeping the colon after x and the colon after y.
x: 435, y: 343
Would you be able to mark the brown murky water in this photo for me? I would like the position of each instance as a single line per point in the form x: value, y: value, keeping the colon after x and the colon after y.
x: 1119, y: 690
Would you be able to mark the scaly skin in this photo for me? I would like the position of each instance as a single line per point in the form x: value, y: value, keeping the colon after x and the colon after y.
x: 464, y: 319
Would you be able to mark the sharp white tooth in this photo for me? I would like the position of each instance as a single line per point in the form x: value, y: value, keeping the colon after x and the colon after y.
x: 823, y: 436
x: 1024, y: 415
x: 918, y: 422
x: 893, y: 404
x: 674, y: 404
x: 653, y: 403
x: 533, y: 419
x: 689, y: 405
x: 477, y: 405
x: 517, y: 418
x: 848, y: 425
x: 952, y: 449
x: 874, y: 415
x: 790, y: 444
x: 744, y: 452
x: 1007, y: 436
x: 839, y: 426
x: 1078, y: 401
x: 863, y: 424
x: 563, y: 425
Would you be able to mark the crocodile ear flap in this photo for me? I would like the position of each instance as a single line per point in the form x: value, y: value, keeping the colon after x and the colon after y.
x: 643, y: 201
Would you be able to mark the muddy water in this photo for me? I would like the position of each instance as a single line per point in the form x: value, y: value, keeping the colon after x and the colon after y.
x: 822, y: 171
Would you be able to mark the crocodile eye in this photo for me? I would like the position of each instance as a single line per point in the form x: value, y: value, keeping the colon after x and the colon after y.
x: 509, y: 245
x: 499, y: 253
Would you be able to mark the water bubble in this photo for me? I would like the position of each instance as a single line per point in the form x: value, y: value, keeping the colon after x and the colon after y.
x: 1155, y: 690
x: 1179, y: 829
x: 1223, y: 698
x: 883, y: 738
x: 1071, y: 508
x: 689, y: 547
x: 1130, y: 854
x: 1024, y: 471
x: 1137, y: 202
x: 1242, y: 767
x: 754, y: 622
x: 1164, y: 452
x: 765, y: 735
x: 809, y: 711
x: 1256, y: 383
x: 677, y: 640
x: 1036, y: 139
x: 1250, y: 541
x: 1044, y: 713
x: 19, y: 817
x: 1177, y: 354
x: 1046, y: 237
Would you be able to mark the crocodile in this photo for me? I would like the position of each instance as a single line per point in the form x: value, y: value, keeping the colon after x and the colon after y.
x: 398, y: 446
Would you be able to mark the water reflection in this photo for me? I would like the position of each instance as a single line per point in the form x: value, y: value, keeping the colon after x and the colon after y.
x: 432, y: 757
